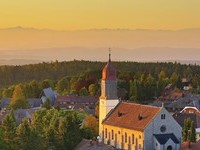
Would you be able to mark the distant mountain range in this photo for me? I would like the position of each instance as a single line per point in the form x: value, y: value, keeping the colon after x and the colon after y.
x: 19, y: 45
x: 146, y: 54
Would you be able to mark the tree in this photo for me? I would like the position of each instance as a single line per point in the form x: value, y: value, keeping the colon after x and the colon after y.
x: 131, y: 88
x: 179, y: 82
x: 162, y: 75
x: 69, y: 132
x: 24, y: 135
x: 7, y: 92
x: 18, y: 99
x: 189, y: 133
x: 2, y: 142
x: 47, y: 104
x: 193, y: 132
x: 135, y: 91
x: 91, y: 123
x: 62, y: 85
x: 174, y: 78
x: 9, y: 126
x: 83, y: 92
x: 92, y: 89
x: 35, y: 88
x: 185, y: 130
x: 47, y: 83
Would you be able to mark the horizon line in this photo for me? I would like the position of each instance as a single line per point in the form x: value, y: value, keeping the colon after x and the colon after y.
x: 95, y: 29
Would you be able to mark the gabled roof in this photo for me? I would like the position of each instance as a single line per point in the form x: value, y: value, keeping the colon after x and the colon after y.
x: 189, y: 100
x: 163, y: 138
x: 131, y: 116
x: 49, y: 93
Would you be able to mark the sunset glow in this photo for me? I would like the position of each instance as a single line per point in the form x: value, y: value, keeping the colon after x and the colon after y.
x: 90, y: 14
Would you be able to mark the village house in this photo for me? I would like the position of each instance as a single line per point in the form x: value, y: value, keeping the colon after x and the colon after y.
x: 72, y: 102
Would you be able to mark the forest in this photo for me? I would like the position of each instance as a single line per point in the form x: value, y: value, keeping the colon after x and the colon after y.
x: 142, y: 81
x: 48, y: 129
x: 52, y: 128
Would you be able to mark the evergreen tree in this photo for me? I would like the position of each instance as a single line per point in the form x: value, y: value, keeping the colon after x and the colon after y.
x: 189, y: 133
x: 179, y: 82
x: 83, y: 92
x: 136, y: 91
x: 9, y: 126
x: 185, y: 130
x: 2, y: 142
x: 24, y: 135
x: 193, y: 133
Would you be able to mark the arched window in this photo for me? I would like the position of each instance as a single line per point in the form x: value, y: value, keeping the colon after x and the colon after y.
x: 125, y: 137
x: 133, y: 139
x: 112, y: 134
x: 106, y: 133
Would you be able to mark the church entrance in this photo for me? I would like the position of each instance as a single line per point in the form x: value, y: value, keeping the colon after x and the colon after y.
x: 169, y: 147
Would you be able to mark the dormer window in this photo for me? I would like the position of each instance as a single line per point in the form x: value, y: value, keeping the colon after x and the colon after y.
x: 162, y: 116
x: 120, y: 114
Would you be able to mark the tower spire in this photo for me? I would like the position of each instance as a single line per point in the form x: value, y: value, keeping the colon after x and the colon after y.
x: 109, y: 54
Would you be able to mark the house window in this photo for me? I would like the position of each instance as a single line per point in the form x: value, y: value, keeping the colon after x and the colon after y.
x: 112, y: 134
x: 106, y: 133
x: 140, y: 146
x: 118, y: 132
x: 162, y: 116
x: 125, y: 137
x: 140, y: 136
x: 132, y: 138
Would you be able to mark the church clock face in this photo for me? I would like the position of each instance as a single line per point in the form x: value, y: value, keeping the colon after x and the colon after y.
x: 163, y: 128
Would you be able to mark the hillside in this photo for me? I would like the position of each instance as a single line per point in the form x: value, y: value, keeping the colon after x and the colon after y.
x: 57, y: 70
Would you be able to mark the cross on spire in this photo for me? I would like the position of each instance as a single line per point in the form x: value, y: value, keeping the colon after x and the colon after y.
x: 109, y: 54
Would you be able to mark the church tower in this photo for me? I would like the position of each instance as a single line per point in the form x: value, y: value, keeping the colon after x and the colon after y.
x: 108, y: 99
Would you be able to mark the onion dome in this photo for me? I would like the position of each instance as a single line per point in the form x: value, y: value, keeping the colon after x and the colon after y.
x: 109, y: 72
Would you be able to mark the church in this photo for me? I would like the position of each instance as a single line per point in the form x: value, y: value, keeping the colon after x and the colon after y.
x: 131, y: 126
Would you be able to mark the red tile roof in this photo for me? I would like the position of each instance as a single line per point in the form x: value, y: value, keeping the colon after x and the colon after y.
x: 131, y: 116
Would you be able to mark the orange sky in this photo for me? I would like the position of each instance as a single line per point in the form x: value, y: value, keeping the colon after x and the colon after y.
x: 87, y: 14
x: 158, y: 44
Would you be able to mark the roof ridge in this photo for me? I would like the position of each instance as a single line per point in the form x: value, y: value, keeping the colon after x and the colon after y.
x: 132, y: 103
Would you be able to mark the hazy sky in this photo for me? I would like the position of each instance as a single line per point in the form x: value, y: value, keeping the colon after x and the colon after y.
x: 174, y: 30
x: 87, y: 14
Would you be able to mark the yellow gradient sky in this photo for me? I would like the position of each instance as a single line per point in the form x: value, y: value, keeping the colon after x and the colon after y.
x: 90, y: 14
